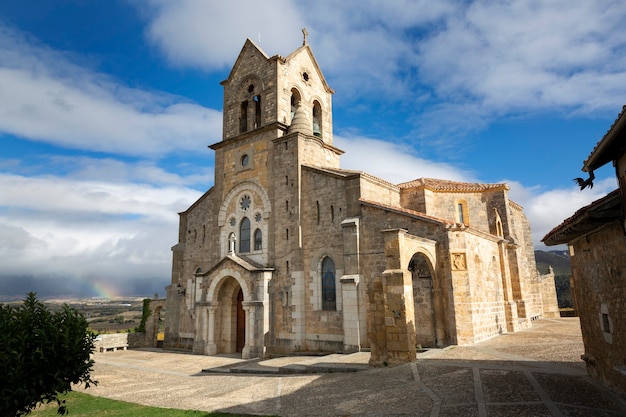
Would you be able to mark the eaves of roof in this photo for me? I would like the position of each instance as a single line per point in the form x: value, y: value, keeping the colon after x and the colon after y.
x: 447, y: 186
x: 586, y: 220
x: 612, y: 144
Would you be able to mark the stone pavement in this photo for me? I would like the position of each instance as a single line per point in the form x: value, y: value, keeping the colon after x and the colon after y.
x: 536, y: 372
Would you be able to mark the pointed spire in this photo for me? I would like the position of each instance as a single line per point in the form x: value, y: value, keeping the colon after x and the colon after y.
x: 300, y: 123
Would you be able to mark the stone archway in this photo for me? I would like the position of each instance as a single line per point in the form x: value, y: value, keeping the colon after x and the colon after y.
x: 423, y: 301
x: 230, y: 321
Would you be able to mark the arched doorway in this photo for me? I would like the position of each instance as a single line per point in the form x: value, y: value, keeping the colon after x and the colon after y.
x: 159, y: 326
x: 241, y: 323
x: 424, y: 306
x: 230, y: 326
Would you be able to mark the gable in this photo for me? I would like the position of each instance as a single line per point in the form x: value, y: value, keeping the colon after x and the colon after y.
x: 249, y: 57
x: 304, y: 55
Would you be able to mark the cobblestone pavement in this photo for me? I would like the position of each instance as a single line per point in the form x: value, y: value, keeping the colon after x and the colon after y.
x: 536, y: 372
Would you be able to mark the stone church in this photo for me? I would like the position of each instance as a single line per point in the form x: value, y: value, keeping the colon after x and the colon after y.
x: 289, y: 252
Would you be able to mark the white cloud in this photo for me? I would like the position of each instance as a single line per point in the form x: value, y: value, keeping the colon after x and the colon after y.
x: 547, y: 209
x: 511, y: 56
x: 85, y: 168
x: 87, y: 231
x: 58, y: 194
x: 44, y: 96
x: 209, y: 34
x: 391, y: 162
x: 452, y: 68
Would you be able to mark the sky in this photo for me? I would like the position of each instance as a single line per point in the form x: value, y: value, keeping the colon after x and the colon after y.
x: 107, y: 109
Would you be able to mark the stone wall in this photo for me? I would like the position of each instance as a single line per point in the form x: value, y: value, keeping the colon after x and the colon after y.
x: 598, y: 262
x: 111, y: 342
x: 549, y: 301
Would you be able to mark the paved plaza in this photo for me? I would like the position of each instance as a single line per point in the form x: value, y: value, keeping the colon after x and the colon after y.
x: 536, y: 372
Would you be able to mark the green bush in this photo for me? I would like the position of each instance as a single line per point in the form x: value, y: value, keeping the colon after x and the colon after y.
x: 42, y: 354
x: 145, y: 314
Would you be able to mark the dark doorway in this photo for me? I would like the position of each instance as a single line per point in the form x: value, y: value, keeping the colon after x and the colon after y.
x: 241, y: 322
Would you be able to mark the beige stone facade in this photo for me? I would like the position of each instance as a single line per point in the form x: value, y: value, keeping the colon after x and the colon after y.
x: 595, y: 235
x: 288, y: 252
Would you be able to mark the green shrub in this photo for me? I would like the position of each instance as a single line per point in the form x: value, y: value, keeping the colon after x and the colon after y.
x: 42, y: 354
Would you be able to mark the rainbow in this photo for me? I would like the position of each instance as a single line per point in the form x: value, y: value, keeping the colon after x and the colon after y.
x: 92, y: 286
x: 103, y: 289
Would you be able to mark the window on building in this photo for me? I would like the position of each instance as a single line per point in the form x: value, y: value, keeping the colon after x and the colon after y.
x: 317, y: 119
x: 258, y: 239
x: 243, y: 117
x: 295, y: 101
x: 329, y: 296
x: 332, y: 214
x: 462, y: 214
x: 317, y: 205
x: 499, y: 231
x: 244, y: 236
x: 606, y: 324
x: 257, y: 111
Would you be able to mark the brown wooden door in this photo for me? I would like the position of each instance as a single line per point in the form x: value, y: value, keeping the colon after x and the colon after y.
x: 241, y: 322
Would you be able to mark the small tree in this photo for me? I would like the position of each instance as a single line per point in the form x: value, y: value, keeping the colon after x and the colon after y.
x: 42, y: 354
x: 145, y: 314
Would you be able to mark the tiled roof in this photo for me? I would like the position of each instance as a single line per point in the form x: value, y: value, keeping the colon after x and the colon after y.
x: 586, y: 219
x: 609, y: 146
x: 448, y: 186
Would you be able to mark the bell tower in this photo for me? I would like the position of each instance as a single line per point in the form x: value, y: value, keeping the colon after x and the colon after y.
x: 277, y: 117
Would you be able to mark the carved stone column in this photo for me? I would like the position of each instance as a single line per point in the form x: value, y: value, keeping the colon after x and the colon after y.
x: 211, y: 346
x: 253, y: 347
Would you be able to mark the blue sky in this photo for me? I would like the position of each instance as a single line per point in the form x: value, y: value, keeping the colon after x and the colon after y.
x: 107, y: 109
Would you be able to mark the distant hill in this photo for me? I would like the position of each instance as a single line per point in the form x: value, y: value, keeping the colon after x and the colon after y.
x: 557, y: 259
x: 560, y: 262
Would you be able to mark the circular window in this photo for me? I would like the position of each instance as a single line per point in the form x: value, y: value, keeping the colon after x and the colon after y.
x: 258, y: 217
x: 245, y: 159
x: 245, y: 202
x: 305, y: 76
x: 232, y: 221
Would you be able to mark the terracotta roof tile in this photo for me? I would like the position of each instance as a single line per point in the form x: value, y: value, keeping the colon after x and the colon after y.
x: 448, y: 186
x: 602, y: 153
x: 585, y: 219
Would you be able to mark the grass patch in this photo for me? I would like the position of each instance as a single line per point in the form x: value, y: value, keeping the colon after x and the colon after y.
x: 84, y: 405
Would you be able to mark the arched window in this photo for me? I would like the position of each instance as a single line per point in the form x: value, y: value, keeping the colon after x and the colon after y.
x: 244, y: 235
x: 462, y: 213
x: 317, y: 119
x: 329, y: 296
x: 258, y: 239
x: 243, y: 117
x: 499, y: 228
x: 257, y: 111
x: 295, y: 100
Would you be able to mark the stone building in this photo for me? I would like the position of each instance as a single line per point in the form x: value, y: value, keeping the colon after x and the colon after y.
x: 288, y: 252
x: 595, y: 235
